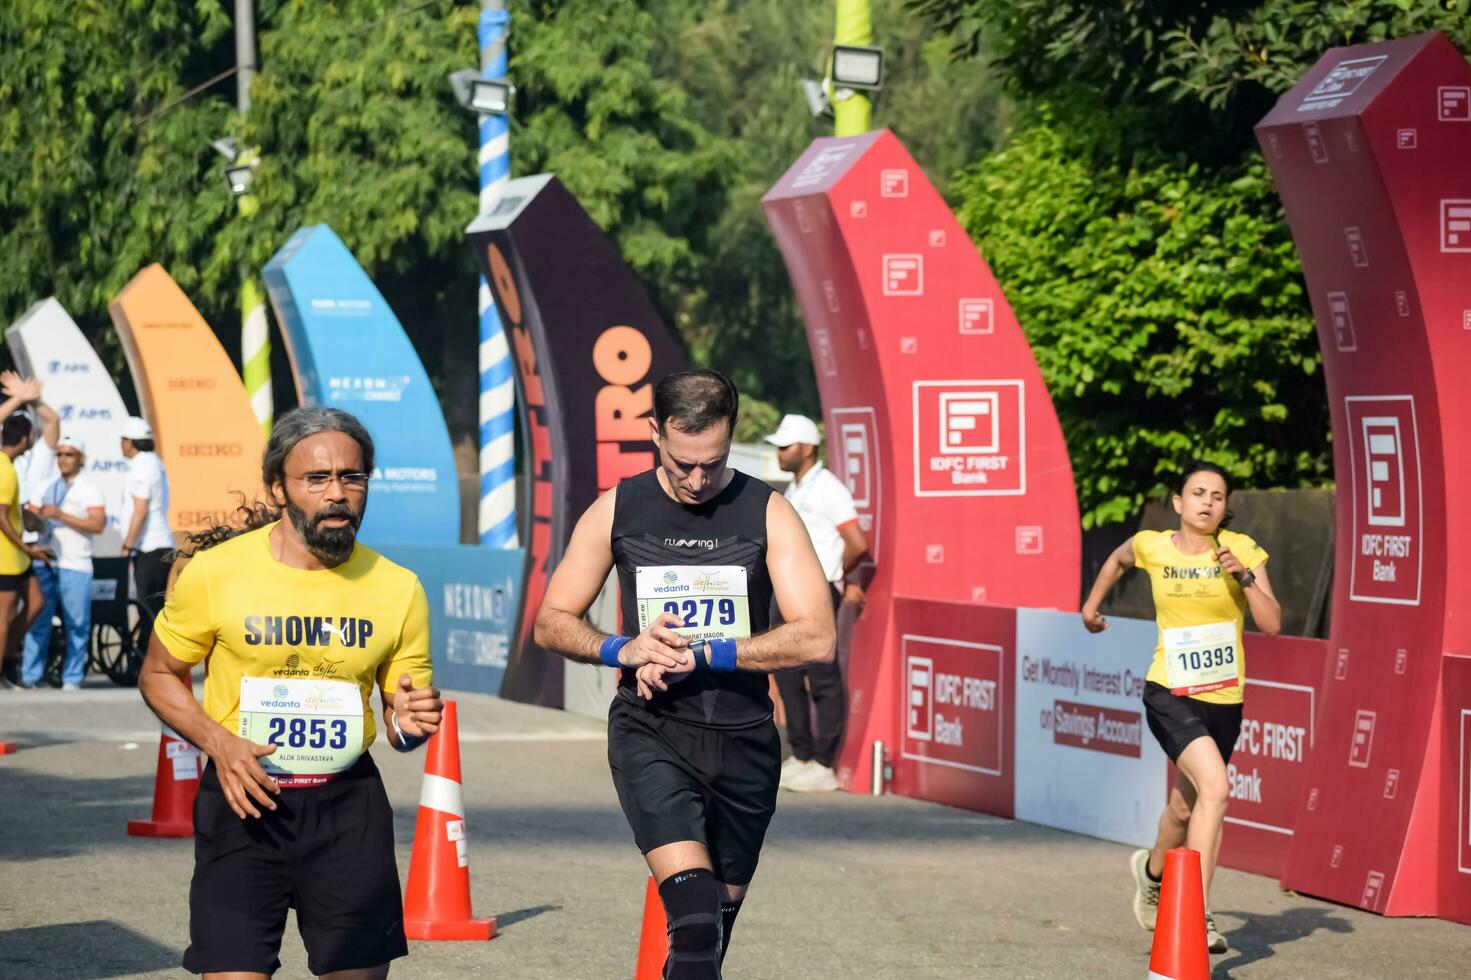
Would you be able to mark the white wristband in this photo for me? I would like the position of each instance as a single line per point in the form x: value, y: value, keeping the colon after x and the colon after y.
x: 406, y: 743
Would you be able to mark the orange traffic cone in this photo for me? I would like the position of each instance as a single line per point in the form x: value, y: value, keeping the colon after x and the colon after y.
x: 1179, y: 933
x: 653, y: 939
x: 174, y: 788
x: 437, y: 901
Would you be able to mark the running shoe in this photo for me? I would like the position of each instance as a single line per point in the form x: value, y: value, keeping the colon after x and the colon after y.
x: 68, y: 686
x: 816, y: 778
x: 1146, y: 890
x: 791, y: 768
x: 1214, y: 941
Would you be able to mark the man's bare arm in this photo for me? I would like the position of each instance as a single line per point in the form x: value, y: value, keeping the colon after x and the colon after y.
x: 575, y: 584
x: 808, y: 635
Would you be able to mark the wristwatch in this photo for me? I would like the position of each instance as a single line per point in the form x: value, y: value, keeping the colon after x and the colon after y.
x: 1246, y: 580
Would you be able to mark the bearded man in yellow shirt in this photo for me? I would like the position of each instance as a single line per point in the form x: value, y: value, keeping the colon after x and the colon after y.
x: 297, y: 623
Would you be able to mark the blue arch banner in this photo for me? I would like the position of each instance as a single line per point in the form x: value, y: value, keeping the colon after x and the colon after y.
x: 348, y: 351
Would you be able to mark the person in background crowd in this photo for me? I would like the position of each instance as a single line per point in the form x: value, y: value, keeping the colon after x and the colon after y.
x: 73, y: 512
x: 37, y: 467
x: 17, y: 582
x: 826, y: 508
x: 147, y: 540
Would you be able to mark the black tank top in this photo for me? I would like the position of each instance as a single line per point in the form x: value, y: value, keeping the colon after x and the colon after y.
x: 719, y: 537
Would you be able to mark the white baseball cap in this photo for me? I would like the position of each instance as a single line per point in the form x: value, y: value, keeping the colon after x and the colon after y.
x: 135, y: 428
x: 794, y: 429
x: 72, y: 442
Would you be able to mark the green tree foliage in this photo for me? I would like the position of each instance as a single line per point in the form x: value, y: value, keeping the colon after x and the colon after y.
x: 1164, y: 306
x: 90, y: 189
x: 667, y: 118
x: 1135, y: 230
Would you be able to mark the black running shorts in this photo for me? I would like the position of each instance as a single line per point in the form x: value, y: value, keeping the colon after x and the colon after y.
x: 326, y: 851
x: 678, y: 782
x: 1177, y: 721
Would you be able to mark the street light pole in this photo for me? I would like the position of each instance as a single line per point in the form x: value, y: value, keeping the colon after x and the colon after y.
x: 853, y: 115
x: 497, y: 512
x: 255, y: 336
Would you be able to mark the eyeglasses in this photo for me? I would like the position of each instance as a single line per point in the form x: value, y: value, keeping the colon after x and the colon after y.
x: 318, y: 481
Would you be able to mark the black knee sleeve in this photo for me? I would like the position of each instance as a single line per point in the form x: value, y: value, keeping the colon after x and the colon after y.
x: 728, y: 912
x: 692, y: 905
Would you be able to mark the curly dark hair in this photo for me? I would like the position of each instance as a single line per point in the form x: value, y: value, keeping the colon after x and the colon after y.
x: 290, y: 429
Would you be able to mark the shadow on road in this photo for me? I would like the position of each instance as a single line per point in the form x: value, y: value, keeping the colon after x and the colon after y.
x: 504, y: 919
x: 34, y: 799
x: 82, y: 951
x: 1258, y: 936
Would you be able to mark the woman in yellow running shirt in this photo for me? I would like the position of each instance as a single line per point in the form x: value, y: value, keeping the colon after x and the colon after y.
x: 1203, y: 577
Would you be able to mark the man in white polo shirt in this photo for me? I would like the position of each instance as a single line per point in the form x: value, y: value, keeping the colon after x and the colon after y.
x: 73, y: 513
x: 826, y: 508
x: 147, y: 539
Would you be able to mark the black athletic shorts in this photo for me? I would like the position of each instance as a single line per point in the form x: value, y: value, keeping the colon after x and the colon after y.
x: 14, y: 583
x: 1177, y: 721
x: 326, y: 851
x: 678, y: 781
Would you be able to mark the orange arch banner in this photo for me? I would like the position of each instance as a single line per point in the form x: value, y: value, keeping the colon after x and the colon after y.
x: 203, y: 425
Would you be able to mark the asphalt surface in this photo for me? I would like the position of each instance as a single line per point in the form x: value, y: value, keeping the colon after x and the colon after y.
x: 849, y: 887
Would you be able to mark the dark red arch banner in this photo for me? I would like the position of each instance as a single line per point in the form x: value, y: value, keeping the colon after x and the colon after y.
x: 588, y: 348
x: 1372, y: 155
x: 937, y: 417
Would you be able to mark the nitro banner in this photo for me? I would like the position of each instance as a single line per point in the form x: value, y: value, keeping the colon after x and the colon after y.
x: 472, y: 609
x: 204, y: 427
x: 1086, y: 761
x: 589, y: 349
x: 348, y: 351
x: 46, y: 344
x: 936, y: 414
x: 1369, y: 152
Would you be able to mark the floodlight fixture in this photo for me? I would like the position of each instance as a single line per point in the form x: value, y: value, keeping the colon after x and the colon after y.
x: 492, y: 96
x: 817, y: 100
x: 227, y: 147
x: 238, y: 178
x: 858, y: 67
x: 487, y: 96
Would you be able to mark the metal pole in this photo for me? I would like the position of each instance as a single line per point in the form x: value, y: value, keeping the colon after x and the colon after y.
x: 255, y: 331
x: 497, y: 514
x: 853, y: 115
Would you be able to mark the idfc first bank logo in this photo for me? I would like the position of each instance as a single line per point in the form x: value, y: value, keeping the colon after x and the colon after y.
x: 969, y: 438
x: 953, y: 712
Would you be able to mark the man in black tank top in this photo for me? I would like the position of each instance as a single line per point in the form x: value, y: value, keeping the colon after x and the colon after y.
x: 701, y: 550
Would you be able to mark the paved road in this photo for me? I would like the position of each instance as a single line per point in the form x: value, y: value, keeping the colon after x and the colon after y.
x: 850, y: 887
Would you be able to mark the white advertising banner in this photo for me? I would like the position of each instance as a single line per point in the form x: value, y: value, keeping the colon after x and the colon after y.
x: 1085, y: 759
x: 45, y: 343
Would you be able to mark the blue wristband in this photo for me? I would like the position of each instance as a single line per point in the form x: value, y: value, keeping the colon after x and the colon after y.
x: 608, y: 652
x: 722, y: 653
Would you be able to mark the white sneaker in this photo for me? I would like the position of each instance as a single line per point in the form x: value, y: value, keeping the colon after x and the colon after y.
x: 1146, y: 890
x: 1214, y: 941
x: 71, y: 687
x: 791, y: 768
x: 814, y: 779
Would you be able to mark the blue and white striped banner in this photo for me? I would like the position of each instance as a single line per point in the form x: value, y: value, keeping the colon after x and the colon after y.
x: 497, y: 517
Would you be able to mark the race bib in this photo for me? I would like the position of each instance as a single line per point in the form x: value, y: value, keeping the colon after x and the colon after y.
x: 316, y: 726
x: 1201, y: 658
x: 710, y: 601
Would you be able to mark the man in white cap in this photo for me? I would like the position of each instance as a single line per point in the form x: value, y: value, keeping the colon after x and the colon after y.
x: 826, y: 508
x: 147, y: 540
x: 73, y: 512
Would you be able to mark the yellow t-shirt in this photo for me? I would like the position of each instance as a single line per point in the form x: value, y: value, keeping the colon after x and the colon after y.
x: 1193, y: 590
x: 367, y: 620
x: 13, y: 561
